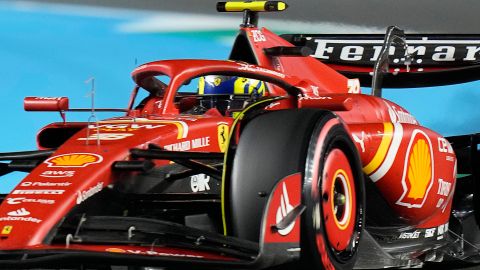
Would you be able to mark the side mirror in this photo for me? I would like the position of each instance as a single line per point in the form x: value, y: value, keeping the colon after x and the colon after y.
x: 46, y: 104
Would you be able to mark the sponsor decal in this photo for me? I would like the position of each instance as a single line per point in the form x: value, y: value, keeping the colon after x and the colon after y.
x: 48, y: 98
x: 410, y: 235
x: 272, y: 105
x: 199, y: 182
x: 124, y: 127
x: 20, y: 200
x: 74, y: 160
x: 419, y: 233
x: 57, y: 174
x: 398, y: 115
x: 353, y: 86
x: 24, y: 219
x: 315, y: 98
x: 188, y: 145
x: 222, y: 135
x: 258, y: 36
x: 360, y: 141
x: 444, y: 187
x: 45, y: 184
x: 39, y: 191
x: 7, y: 229
x: 444, y: 146
x: 151, y: 253
x: 252, y: 68
x: 441, y: 230
x: 315, y: 90
x: 181, y: 126
x: 283, y: 210
x: 106, y: 136
x: 84, y: 195
x: 19, y: 213
x: 418, y: 171
x: 424, y: 50
x: 430, y: 232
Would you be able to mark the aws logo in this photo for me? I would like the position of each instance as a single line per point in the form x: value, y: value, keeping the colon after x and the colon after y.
x: 418, y: 171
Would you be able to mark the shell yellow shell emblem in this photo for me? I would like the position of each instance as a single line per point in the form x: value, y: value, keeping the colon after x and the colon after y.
x: 222, y: 136
x: 74, y: 160
x: 419, y: 170
x: 418, y: 174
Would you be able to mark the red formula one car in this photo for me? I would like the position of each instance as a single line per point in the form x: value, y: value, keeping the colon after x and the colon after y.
x: 265, y: 159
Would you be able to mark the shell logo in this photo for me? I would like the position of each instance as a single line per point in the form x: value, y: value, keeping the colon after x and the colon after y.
x: 418, y: 171
x: 74, y: 160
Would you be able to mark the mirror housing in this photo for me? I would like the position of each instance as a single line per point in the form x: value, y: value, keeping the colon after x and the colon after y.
x: 45, y: 104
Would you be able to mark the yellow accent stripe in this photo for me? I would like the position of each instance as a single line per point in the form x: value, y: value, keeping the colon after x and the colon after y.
x: 382, y: 150
x: 201, y: 85
x: 179, y: 127
x: 232, y: 129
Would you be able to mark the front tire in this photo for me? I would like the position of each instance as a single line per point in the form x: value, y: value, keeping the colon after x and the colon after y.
x: 335, y: 198
x: 278, y: 144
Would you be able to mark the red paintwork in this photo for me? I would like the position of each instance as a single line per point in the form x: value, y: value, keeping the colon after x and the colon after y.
x: 385, y: 135
x: 45, y: 104
x: 367, y: 115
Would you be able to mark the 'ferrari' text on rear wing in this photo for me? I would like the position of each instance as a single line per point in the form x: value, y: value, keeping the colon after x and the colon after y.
x: 457, y: 56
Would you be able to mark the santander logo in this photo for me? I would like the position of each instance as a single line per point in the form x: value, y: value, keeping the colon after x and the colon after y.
x: 283, y: 210
x: 19, y: 213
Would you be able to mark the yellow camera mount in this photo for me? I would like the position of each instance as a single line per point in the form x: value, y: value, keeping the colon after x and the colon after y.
x: 250, y: 9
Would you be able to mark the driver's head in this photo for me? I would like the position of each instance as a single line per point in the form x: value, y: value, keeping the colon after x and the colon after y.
x: 219, y: 84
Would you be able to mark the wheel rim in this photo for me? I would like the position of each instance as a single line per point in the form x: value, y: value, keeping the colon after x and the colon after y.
x: 338, y: 200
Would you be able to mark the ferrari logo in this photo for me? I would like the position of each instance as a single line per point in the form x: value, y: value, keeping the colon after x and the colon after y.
x: 222, y: 132
x: 418, y: 175
x: 217, y: 81
x: 74, y: 160
x: 7, y: 229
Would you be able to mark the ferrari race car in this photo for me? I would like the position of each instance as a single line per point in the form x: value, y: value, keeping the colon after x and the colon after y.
x: 270, y: 158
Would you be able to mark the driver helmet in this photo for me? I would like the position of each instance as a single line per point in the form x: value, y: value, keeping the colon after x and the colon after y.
x: 229, y: 85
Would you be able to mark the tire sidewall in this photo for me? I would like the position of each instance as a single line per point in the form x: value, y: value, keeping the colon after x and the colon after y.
x: 328, y: 134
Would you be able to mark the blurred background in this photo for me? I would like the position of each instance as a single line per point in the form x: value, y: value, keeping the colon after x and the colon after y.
x: 51, y: 48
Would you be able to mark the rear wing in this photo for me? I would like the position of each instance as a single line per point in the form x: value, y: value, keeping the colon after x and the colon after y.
x: 434, y: 59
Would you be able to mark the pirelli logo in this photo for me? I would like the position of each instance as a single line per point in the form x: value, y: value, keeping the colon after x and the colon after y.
x: 424, y: 50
